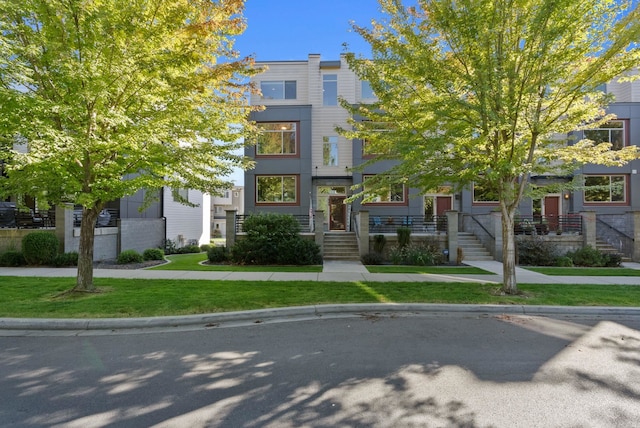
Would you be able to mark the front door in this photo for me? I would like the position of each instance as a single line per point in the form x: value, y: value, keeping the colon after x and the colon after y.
x: 443, y: 204
x: 552, y: 211
x: 337, y: 213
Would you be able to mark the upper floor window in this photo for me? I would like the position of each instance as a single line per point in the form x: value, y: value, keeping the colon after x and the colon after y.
x: 392, y: 194
x: 278, y: 90
x: 276, y: 189
x: 330, y: 90
x: 330, y: 151
x: 605, y: 189
x: 613, y: 132
x: 278, y: 138
x: 365, y: 89
x: 484, y: 194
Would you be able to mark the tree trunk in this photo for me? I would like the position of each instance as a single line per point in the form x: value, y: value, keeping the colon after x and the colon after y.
x: 84, y: 280
x: 509, y: 284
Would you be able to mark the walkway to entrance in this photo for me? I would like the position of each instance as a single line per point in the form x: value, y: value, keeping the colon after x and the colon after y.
x: 354, y: 266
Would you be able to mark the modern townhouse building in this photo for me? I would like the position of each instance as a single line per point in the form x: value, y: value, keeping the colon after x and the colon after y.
x: 302, y: 163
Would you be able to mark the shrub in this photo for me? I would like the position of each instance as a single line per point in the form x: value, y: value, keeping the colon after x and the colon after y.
x: 372, y: 259
x: 40, y: 248
x: 415, y: 255
x: 404, y: 236
x: 153, y: 254
x: 189, y: 249
x: 169, y: 246
x: 205, y: 247
x: 535, y: 251
x: 217, y: 254
x: 379, y: 241
x: 587, y: 256
x: 12, y: 258
x: 612, y: 259
x: 66, y: 259
x: 564, y: 261
x: 274, y: 239
x: 129, y: 256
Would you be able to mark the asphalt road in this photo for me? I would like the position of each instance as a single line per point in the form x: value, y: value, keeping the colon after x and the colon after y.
x: 391, y: 370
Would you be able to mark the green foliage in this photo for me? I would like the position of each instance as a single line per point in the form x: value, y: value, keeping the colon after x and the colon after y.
x: 274, y: 239
x: 536, y: 251
x: 205, y: 247
x: 188, y: 249
x: 40, y: 248
x: 587, y: 256
x: 372, y: 259
x: 404, y: 236
x: 612, y: 259
x: 153, y: 254
x: 170, y: 247
x: 564, y: 261
x: 12, y: 258
x: 121, y: 96
x: 66, y: 259
x: 217, y: 254
x: 129, y: 256
x: 415, y: 255
x: 379, y: 241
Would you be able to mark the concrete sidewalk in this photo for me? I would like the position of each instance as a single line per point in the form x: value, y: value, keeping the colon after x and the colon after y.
x: 334, y: 271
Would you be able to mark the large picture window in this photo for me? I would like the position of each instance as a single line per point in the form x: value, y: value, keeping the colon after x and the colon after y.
x: 278, y: 90
x: 392, y: 194
x: 605, y: 189
x: 279, y: 139
x: 613, y: 132
x: 277, y: 189
x: 482, y: 194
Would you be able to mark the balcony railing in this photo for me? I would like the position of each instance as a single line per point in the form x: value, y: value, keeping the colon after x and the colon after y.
x: 544, y: 225
x: 303, y: 220
x: 14, y: 218
x: 107, y: 218
x: 417, y: 224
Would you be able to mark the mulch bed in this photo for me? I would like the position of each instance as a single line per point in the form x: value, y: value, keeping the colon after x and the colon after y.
x: 111, y: 264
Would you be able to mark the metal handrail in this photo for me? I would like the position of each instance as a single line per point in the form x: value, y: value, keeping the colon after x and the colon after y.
x: 483, y: 228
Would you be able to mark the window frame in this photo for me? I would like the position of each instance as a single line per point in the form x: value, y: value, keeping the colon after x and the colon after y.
x: 285, y: 91
x: 296, y: 127
x: 625, y: 190
x: 390, y: 202
x: 295, y: 202
x: 625, y: 132
x: 478, y: 202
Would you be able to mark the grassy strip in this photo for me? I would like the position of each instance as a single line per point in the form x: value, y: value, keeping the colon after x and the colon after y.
x: 36, y: 297
x: 192, y: 262
x: 584, y: 271
x: 442, y: 270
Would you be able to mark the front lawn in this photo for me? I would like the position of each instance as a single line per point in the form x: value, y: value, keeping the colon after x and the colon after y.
x: 194, y: 261
x: 583, y: 271
x: 41, y: 297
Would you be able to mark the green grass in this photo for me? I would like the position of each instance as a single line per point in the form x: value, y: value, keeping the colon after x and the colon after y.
x: 36, y: 297
x: 192, y: 262
x: 442, y: 270
x: 584, y: 271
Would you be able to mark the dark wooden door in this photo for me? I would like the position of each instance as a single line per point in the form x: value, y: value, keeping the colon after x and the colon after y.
x: 337, y: 213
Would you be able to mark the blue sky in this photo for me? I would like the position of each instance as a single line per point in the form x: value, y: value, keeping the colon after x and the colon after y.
x: 292, y: 29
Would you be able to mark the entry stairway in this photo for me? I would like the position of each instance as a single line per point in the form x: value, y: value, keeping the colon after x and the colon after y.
x: 472, y: 248
x: 605, y: 247
x: 341, y: 246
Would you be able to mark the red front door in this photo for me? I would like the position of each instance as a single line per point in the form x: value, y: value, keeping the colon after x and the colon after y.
x: 552, y: 211
x: 443, y: 203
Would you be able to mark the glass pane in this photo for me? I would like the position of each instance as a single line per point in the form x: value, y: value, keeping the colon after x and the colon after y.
x: 270, y: 143
x: 597, y: 135
x: 367, y: 92
x: 289, y: 189
x: 617, y: 189
x: 289, y: 142
x: 617, y: 139
x: 269, y: 189
x: 290, y: 89
x: 272, y: 90
x: 597, y: 189
x: 330, y: 90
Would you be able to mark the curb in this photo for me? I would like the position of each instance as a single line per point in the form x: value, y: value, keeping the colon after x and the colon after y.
x: 298, y: 313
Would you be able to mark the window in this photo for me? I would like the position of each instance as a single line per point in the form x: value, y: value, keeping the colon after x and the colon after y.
x: 482, y: 193
x: 612, y: 132
x: 278, y: 90
x: 277, y: 139
x: 605, y: 189
x: 180, y: 195
x: 330, y: 90
x: 276, y: 189
x: 330, y: 151
x: 365, y: 89
x: 392, y: 194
